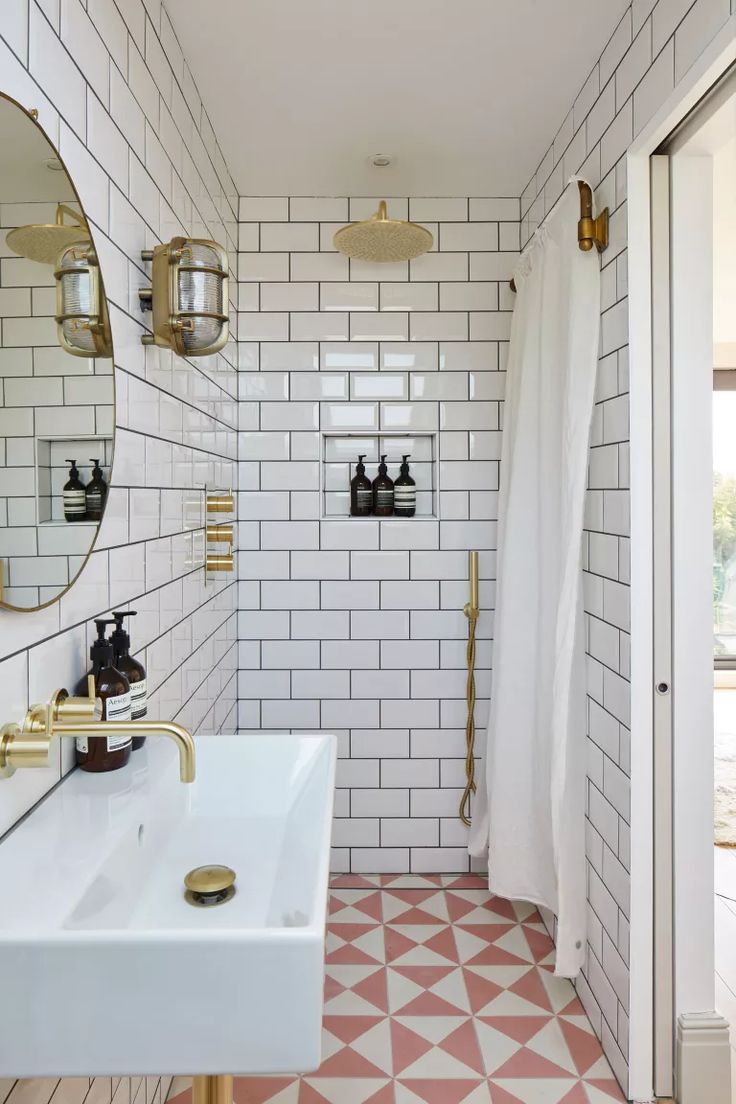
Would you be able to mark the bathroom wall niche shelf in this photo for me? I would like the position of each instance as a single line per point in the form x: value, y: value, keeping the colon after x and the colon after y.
x: 339, y: 454
x: 52, y: 471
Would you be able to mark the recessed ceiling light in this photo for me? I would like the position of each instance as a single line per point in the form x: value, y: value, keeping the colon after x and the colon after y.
x: 381, y: 160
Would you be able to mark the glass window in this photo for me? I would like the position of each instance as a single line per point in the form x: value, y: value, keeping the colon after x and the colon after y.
x: 724, y: 520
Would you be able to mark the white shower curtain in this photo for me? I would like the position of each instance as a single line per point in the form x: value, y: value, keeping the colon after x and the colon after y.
x: 529, y: 815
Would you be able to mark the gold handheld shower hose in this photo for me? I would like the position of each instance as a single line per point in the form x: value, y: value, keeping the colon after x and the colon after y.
x: 472, y: 612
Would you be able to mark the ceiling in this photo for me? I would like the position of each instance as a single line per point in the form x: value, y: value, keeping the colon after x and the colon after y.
x: 466, y: 95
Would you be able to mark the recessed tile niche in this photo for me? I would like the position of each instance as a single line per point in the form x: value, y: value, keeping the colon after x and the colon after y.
x: 339, y: 457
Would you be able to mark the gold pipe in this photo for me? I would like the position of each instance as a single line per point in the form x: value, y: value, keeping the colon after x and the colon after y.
x: 212, y: 1089
x: 180, y: 736
x: 472, y: 612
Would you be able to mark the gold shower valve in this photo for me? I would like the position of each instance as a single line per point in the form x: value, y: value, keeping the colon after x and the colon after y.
x: 220, y: 502
x: 219, y: 561
x: 220, y: 533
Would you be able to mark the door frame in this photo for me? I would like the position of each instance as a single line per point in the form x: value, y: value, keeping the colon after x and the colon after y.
x: 719, y: 56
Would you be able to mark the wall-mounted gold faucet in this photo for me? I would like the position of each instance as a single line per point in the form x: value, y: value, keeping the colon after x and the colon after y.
x: 28, y: 745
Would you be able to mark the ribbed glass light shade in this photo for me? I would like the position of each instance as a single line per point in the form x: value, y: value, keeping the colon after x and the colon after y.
x: 201, y: 293
x: 76, y: 299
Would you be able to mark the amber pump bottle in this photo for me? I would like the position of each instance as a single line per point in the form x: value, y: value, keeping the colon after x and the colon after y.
x: 383, y: 492
x: 73, y: 496
x: 96, y: 493
x: 361, y: 492
x: 134, y: 671
x: 405, y: 492
x: 105, y: 753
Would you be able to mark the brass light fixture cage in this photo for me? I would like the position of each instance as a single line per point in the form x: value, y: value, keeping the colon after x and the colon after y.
x: 382, y: 239
x: 44, y: 242
x: 82, y: 322
x: 188, y: 296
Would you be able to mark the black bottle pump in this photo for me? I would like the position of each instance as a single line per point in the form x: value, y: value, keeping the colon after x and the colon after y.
x: 383, y: 492
x: 73, y: 496
x: 361, y: 493
x: 134, y: 671
x: 405, y: 492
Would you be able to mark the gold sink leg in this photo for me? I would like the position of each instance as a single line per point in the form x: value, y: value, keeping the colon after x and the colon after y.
x: 212, y: 1089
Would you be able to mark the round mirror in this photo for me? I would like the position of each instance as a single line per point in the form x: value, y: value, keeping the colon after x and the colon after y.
x: 57, y: 389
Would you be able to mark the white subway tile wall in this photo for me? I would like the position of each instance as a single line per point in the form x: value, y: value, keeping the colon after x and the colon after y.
x: 356, y: 625
x: 114, y: 93
x: 652, y: 47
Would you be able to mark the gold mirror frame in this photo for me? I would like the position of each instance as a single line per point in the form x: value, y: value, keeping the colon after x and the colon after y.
x: 32, y: 115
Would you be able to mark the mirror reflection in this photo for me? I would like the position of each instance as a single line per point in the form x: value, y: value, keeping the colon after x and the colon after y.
x: 56, y: 371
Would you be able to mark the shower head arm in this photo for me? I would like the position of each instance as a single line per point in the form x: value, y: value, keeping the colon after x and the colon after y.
x: 62, y: 209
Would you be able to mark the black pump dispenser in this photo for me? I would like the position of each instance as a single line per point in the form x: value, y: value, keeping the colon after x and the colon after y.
x: 96, y: 492
x: 134, y: 671
x: 361, y: 493
x: 73, y: 496
x: 405, y: 492
x: 383, y: 491
x: 105, y: 753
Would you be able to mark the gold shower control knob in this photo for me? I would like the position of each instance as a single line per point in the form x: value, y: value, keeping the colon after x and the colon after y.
x: 221, y: 503
x: 220, y: 534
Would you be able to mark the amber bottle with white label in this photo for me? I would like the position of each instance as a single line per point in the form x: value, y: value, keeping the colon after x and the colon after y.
x: 134, y: 671
x: 383, y: 492
x: 105, y: 753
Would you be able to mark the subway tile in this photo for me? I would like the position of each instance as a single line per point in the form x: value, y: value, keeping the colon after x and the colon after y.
x: 324, y: 326
x: 439, y: 326
x: 349, y: 654
x: 292, y: 237
x: 264, y: 209
x: 383, y: 326
x: 319, y: 266
x: 379, y: 625
x: 321, y: 209
x: 351, y: 296
x: 409, y: 297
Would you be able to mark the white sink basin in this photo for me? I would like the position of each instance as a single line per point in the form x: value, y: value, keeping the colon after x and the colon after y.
x: 105, y: 968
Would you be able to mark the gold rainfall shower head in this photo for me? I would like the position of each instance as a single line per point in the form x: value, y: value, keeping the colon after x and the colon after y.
x: 44, y: 242
x: 383, y: 239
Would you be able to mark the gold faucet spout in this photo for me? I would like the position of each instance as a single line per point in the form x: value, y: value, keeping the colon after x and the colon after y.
x: 175, y: 732
x: 28, y: 745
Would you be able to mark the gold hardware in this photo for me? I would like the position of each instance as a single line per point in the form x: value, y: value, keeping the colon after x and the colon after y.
x: 28, y: 745
x: 209, y: 879
x: 213, y: 1089
x: 178, y: 268
x: 592, y: 231
x: 472, y: 612
x: 382, y: 239
x: 220, y: 533
x: 218, y: 561
x: 33, y: 112
x: 209, y: 885
x: 220, y: 502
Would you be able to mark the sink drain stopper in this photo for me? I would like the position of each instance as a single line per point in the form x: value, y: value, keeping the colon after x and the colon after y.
x: 209, y: 885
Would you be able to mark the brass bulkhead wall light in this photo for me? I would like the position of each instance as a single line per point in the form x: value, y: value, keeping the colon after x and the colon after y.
x: 188, y: 296
x: 82, y: 322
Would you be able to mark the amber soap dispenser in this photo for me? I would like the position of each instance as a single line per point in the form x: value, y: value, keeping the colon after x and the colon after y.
x: 383, y: 492
x: 105, y: 753
x: 361, y: 492
x: 134, y: 671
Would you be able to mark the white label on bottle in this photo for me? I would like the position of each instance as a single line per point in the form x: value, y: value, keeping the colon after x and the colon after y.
x: 365, y: 498
x: 74, y: 502
x: 384, y: 497
x: 405, y: 496
x: 82, y: 745
x: 118, y: 707
x: 138, y: 698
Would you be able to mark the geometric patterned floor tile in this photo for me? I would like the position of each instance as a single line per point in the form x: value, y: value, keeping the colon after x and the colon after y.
x: 436, y: 992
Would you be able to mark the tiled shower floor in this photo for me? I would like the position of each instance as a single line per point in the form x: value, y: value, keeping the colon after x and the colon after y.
x: 438, y: 993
